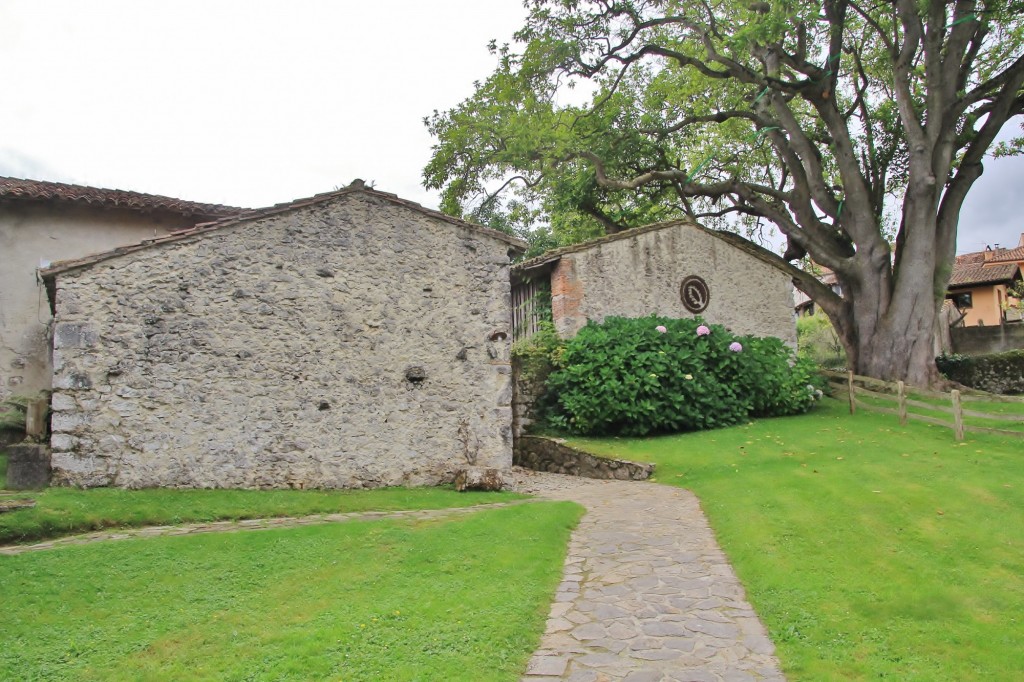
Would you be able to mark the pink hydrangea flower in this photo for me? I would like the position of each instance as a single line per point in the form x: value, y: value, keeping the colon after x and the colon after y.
x: 661, y: 329
x: 735, y: 347
x: 703, y: 331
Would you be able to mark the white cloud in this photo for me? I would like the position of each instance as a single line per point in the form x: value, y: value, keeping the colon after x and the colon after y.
x: 240, y: 102
x: 257, y: 102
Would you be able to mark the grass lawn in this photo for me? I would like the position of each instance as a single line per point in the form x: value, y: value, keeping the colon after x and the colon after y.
x: 452, y: 599
x: 63, y: 511
x: 872, y: 551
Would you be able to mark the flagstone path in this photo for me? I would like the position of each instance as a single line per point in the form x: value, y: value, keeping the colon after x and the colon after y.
x: 647, y: 594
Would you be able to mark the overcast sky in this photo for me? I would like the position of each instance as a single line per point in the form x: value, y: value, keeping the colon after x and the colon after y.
x: 254, y: 103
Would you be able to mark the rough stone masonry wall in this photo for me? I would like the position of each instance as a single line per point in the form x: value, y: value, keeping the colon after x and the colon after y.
x: 549, y: 454
x: 32, y: 234
x: 640, y: 275
x: 344, y: 344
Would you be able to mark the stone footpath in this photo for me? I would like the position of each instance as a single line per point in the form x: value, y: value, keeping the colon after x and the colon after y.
x: 647, y: 595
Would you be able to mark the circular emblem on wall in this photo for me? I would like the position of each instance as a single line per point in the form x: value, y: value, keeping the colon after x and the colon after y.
x: 695, y: 294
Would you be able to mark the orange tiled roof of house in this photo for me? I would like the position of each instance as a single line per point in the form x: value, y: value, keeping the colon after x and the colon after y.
x: 17, y: 189
x: 991, y: 266
x: 965, y: 274
x: 1008, y: 255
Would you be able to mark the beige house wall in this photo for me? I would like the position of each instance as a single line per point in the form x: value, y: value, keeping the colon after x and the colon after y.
x: 347, y: 343
x: 641, y: 274
x: 34, y: 234
x: 984, y: 308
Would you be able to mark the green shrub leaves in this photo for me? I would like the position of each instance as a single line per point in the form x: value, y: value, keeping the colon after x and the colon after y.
x: 659, y: 375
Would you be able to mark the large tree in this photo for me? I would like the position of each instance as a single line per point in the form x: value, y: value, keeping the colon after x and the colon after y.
x: 855, y: 129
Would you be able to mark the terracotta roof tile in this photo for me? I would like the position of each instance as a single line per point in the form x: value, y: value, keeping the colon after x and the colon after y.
x: 1007, y: 255
x: 16, y: 189
x: 204, y: 228
x: 965, y: 274
x: 974, y: 257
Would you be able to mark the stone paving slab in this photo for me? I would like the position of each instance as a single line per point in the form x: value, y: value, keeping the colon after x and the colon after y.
x: 647, y: 594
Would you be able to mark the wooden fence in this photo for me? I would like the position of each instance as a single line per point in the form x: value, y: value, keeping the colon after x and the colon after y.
x: 888, y: 392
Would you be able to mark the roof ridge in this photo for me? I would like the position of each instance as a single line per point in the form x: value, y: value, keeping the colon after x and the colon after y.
x: 200, y: 229
x: 22, y: 189
x: 974, y: 273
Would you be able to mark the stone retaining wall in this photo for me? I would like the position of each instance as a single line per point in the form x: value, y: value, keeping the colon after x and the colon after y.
x: 547, y: 454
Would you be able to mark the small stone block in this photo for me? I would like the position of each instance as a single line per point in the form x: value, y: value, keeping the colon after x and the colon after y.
x: 478, y: 478
x: 28, y: 466
x: 547, y: 665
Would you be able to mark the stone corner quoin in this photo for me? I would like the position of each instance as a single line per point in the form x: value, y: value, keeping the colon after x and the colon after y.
x: 354, y: 342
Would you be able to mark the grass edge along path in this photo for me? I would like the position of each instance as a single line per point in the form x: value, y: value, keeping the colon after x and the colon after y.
x: 870, y: 550
x: 459, y: 598
x: 69, y: 511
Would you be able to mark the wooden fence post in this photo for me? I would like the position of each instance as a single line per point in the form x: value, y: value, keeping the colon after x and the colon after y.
x: 853, y: 398
x: 958, y: 415
x: 901, y: 392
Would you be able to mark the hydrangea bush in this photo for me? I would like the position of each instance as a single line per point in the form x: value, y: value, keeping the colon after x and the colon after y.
x: 659, y: 375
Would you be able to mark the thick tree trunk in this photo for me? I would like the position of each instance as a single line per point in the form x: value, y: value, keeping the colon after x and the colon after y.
x: 901, y: 351
x: 889, y: 332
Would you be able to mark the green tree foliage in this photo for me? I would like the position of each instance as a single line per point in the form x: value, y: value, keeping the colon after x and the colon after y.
x: 817, y: 341
x: 13, y: 411
x: 626, y: 376
x: 856, y: 130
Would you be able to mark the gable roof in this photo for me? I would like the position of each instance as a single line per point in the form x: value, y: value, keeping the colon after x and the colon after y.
x: 17, y: 189
x: 972, y: 273
x: 991, y: 266
x: 201, y: 230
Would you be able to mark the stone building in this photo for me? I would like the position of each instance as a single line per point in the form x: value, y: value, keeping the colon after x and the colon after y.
x: 351, y: 339
x: 42, y: 222
x: 675, y: 269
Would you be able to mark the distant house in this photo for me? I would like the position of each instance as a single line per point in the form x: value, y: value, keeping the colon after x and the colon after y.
x: 42, y: 222
x: 803, y: 304
x: 352, y: 339
x: 979, y: 283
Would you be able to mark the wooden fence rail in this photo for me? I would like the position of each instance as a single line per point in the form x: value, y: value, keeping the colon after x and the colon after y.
x: 897, y: 392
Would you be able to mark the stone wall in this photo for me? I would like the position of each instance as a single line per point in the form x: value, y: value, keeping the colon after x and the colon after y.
x: 348, y: 343
x: 995, y: 373
x: 983, y: 340
x: 547, y: 454
x: 639, y: 273
x: 32, y: 236
x: 528, y: 384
